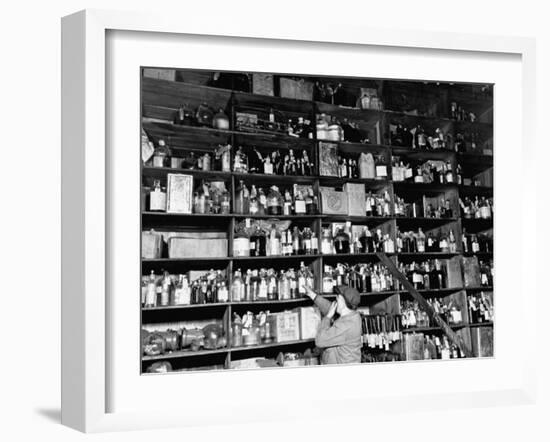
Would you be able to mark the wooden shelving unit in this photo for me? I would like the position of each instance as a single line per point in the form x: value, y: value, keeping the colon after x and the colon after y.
x: 160, y: 100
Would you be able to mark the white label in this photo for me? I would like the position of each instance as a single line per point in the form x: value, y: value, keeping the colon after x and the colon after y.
x: 158, y: 200
x: 300, y: 206
x: 314, y: 243
x: 381, y: 171
x: 268, y: 168
x: 408, y: 173
x: 417, y: 277
x: 307, y: 244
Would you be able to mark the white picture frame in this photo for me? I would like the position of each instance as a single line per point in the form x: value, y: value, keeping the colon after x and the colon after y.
x: 86, y: 214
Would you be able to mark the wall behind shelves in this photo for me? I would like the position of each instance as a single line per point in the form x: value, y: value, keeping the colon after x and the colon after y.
x: 31, y: 56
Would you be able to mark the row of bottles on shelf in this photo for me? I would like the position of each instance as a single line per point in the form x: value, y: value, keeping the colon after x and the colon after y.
x: 458, y: 113
x: 481, y: 309
x: 416, y: 209
x: 329, y: 128
x: 289, y: 164
x: 426, y: 275
x: 274, y: 163
x: 477, y: 243
x: 299, y: 200
x: 364, y: 277
x: 273, y: 122
x: 366, y: 166
x: 417, y: 137
x: 419, y: 242
x: 273, y: 241
x: 267, y: 285
x: 170, y: 290
x: 380, y: 331
x: 477, y: 208
x: 413, y: 316
x: 203, y: 115
x: 346, y: 242
x: 431, y: 171
x: 213, y: 287
x: 251, y: 329
x: 436, y: 347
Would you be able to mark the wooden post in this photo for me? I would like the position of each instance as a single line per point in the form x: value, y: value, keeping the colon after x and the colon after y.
x: 453, y: 337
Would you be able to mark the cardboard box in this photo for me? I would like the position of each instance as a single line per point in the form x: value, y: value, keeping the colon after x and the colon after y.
x: 198, y: 245
x: 414, y: 346
x: 151, y: 245
x: 470, y: 268
x: 328, y: 154
x: 263, y: 84
x: 333, y: 202
x: 356, y: 199
x: 310, y: 319
x: 179, y: 193
x: 285, y: 326
x: 297, y: 89
x: 482, y: 341
x: 454, y: 272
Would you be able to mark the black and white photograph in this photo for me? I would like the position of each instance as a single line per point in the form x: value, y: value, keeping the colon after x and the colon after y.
x: 292, y: 220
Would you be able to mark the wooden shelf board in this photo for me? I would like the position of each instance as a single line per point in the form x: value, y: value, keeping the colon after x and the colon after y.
x: 272, y: 345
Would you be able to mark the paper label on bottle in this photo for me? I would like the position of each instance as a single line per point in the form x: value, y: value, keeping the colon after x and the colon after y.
x: 300, y: 206
x: 417, y: 277
x: 408, y: 173
x: 157, y: 200
x: 268, y: 168
x: 307, y: 244
x: 381, y: 171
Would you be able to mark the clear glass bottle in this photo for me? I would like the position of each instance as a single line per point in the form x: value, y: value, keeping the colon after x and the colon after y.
x: 274, y: 202
x: 327, y: 245
x: 273, y: 245
x: 237, y: 287
x: 151, y: 295
x: 157, y: 198
x: 342, y: 242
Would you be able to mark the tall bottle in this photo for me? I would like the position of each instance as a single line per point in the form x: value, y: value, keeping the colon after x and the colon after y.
x: 157, y: 198
x: 237, y: 287
x: 182, y: 293
x: 242, y: 199
x: 151, y: 296
x: 274, y: 202
x: 367, y: 169
x: 273, y: 246
x: 420, y: 241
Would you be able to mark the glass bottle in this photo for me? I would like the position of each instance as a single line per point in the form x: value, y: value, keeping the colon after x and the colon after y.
x: 274, y: 202
x: 241, y: 199
x: 306, y: 241
x: 327, y: 246
x: 311, y: 206
x: 157, y: 198
x: 220, y: 120
x: 420, y: 241
x: 254, y: 203
x: 328, y: 281
x: 284, y: 286
x: 160, y: 157
x: 166, y: 289
x: 272, y: 285
x: 151, y: 295
x: 296, y: 242
x: 299, y: 202
x: 183, y: 291
x: 237, y: 287
x: 263, y: 286
x: 273, y: 245
x: 225, y: 203
x: 314, y: 243
x: 341, y: 242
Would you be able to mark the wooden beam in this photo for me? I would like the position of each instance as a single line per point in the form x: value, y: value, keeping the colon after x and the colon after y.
x: 437, y: 319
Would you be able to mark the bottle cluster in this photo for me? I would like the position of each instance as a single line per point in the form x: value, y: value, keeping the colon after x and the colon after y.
x: 298, y: 200
x: 270, y: 285
x: 170, y: 290
x: 486, y: 271
x: 438, y: 172
x: 418, y: 138
x: 419, y: 242
x: 476, y: 208
x: 436, y: 347
x: 251, y: 329
x: 364, y: 277
x: 273, y: 241
x: 426, y: 275
x: 344, y: 242
x: 274, y: 163
x: 480, y: 307
x: 380, y: 331
x: 477, y: 242
x: 443, y: 209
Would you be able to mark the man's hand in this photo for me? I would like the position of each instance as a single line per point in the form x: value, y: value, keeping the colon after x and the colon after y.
x: 310, y: 292
x: 332, y: 310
